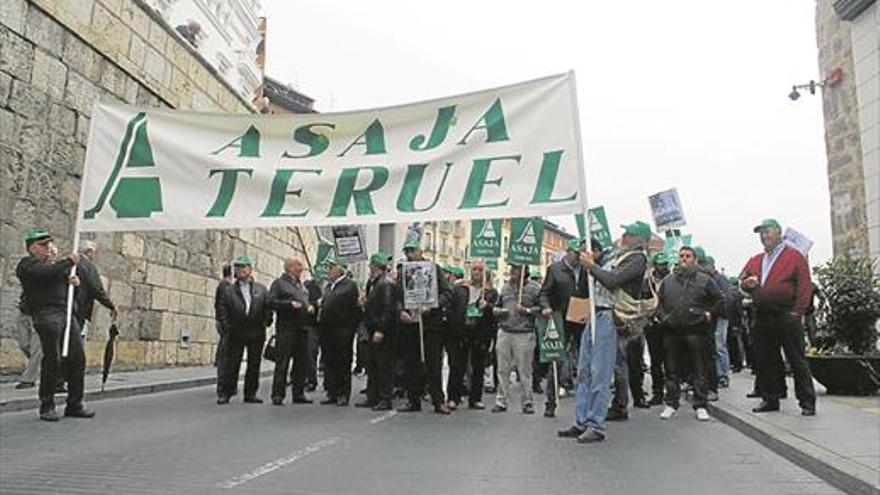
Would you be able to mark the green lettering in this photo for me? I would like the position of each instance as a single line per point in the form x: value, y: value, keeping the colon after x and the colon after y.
x: 493, y: 122
x: 227, y: 188
x: 248, y: 144
x: 317, y: 143
x: 278, y: 194
x: 346, y: 192
x: 373, y: 138
x: 478, y: 179
x: 445, y: 118
x: 411, y: 183
x: 547, y: 179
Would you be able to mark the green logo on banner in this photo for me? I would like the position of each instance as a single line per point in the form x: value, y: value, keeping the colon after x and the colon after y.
x: 133, y: 197
x: 526, y: 238
x: 551, y: 338
x: 485, y: 238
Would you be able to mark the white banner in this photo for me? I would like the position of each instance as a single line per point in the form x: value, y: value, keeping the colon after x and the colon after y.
x: 512, y: 151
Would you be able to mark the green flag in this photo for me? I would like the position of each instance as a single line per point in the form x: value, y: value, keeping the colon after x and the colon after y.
x: 485, y: 238
x: 551, y: 338
x: 599, y: 227
x: 325, y: 254
x: 526, y: 239
x: 581, y: 224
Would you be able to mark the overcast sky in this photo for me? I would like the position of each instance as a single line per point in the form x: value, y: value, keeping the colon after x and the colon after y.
x: 685, y: 94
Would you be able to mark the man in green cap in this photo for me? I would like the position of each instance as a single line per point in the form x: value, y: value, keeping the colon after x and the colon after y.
x: 339, y: 318
x: 454, y: 337
x: 380, y: 318
x: 417, y: 371
x: 243, y: 314
x: 654, y: 332
x: 563, y: 280
x: 778, y: 280
x: 44, y: 284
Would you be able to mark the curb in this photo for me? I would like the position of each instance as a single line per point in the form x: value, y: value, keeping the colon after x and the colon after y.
x: 840, y: 472
x: 115, y: 393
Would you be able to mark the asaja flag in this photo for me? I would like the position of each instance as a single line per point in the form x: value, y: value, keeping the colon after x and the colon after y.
x: 551, y: 338
x: 526, y: 239
x: 511, y: 151
x: 599, y: 227
x: 485, y: 238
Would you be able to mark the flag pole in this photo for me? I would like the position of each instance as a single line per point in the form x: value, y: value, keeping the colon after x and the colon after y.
x: 522, y: 274
x: 68, y: 320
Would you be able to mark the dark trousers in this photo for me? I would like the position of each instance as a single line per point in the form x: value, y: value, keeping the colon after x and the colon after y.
x: 291, y: 343
x: 49, y: 325
x: 736, y: 348
x: 654, y: 339
x: 678, y: 345
x: 314, y: 347
x: 711, y: 357
x: 235, y: 352
x: 336, y: 347
x: 417, y: 373
x: 629, y: 360
x: 220, y: 359
x: 772, y: 332
x: 456, y: 351
x: 380, y: 363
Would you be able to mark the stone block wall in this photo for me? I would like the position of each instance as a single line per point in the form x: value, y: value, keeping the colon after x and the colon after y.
x: 57, y: 57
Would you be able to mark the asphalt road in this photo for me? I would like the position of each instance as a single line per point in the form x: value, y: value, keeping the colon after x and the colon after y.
x: 181, y: 442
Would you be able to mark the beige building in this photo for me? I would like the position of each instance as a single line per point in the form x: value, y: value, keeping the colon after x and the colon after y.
x: 848, y: 35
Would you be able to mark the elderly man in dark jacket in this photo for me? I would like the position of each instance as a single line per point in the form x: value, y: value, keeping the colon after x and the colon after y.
x: 689, y: 302
x: 289, y: 298
x: 339, y: 317
x: 243, y: 314
x: 91, y: 288
x: 380, y: 318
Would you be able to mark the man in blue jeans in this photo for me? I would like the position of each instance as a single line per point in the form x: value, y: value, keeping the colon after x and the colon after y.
x: 598, y: 352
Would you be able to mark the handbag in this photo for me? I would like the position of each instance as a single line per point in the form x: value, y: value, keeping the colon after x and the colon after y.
x: 632, y: 314
x: 269, y: 351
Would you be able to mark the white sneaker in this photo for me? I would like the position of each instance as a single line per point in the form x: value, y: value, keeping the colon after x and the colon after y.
x: 702, y: 414
x: 668, y: 412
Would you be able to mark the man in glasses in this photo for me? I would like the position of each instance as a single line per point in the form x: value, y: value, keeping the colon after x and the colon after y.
x: 45, y: 283
x: 689, y: 300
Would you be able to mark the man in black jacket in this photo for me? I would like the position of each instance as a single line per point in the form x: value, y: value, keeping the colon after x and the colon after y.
x: 454, y: 335
x: 45, y: 284
x: 689, y: 301
x: 479, y: 329
x: 654, y: 336
x: 432, y: 324
x: 565, y: 279
x: 380, y: 318
x: 243, y: 313
x: 289, y: 298
x: 222, y: 353
x: 90, y: 288
x: 316, y: 291
x: 339, y: 318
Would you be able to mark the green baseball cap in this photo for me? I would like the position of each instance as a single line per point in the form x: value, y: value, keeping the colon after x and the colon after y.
x: 380, y: 258
x: 412, y: 244
x: 661, y: 258
x: 767, y: 223
x: 335, y: 261
x: 36, y: 235
x: 446, y: 267
x: 576, y: 244
x: 700, y: 253
x: 457, y: 271
x: 638, y: 229
x: 243, y: 260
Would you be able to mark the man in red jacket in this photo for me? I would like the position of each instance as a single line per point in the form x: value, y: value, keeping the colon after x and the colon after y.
x: 779, y: 281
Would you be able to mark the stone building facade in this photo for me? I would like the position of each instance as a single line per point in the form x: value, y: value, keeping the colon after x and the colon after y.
x: 848, y: 35
x: 58, y: 57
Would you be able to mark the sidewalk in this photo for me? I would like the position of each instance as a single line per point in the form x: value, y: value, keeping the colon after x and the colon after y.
x: 841, y: 444
x: 124, y: 384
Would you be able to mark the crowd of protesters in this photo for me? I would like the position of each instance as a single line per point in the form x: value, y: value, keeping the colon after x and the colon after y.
x: 696, y: 325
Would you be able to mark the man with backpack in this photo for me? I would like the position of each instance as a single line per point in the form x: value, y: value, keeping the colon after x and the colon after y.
x: 619, y: 285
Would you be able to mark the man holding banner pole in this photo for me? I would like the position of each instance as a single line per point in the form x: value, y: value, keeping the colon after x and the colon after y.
x: 598, y: 353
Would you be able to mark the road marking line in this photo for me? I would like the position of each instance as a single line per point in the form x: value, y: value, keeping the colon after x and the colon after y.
x: 389, y: 414
x: 279, y: 463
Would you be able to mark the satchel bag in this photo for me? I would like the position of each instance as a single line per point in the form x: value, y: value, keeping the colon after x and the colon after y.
x: 632, y: 314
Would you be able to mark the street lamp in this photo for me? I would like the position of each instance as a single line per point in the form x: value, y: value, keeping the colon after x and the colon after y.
x: 832, y: 79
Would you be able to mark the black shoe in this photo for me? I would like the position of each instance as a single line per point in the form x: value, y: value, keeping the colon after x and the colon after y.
x: 79, y: 413
x: 277, y: 401
x: 617, y: 415
x: 328, y: 401
x: 528, y: 409
x: 656, y: 400
x: 549, y: 411
x: 411, y: 407
x: 23, y: 385
x: 253, y: 400
x: 808, y: 411
x: 223, y: 400
x: 365, y: 403
x: 51, y: 416
x: 590, y: 436
x: 498, y: 408
x: 383, y: 405
x: 572, y: 432
x: 476, y: 405
x: 342, y: 401
x: 641, y: 404
x: 302, y: 399
x: 766, y: 406
x: 754, y: 394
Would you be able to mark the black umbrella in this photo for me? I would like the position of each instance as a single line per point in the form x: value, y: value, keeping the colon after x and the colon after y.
x: 108, y: 354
